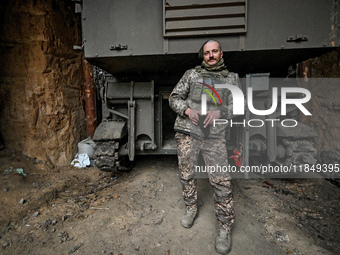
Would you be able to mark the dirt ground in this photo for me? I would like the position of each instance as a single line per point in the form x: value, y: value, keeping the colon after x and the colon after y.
x: 86, y: 211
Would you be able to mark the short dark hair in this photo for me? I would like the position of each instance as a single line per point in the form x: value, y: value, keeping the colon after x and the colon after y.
x: 200, y: 53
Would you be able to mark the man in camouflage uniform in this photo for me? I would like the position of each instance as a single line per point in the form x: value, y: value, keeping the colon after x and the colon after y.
x: 197, y: 134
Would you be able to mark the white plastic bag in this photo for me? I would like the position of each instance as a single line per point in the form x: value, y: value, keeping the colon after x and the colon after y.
x: 81, y: 160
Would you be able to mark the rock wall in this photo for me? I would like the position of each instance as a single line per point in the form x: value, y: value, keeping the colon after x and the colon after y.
x: 325, y: 102
x: 41, y: 96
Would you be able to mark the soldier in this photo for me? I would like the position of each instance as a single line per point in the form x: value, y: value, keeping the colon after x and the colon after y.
x: 196, y: 133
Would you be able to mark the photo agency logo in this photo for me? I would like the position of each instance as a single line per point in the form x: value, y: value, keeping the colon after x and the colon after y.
x: 238, y: 96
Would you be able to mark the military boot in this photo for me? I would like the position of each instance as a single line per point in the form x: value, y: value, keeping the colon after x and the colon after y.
x: 188, y: 219
x: 223, y: 242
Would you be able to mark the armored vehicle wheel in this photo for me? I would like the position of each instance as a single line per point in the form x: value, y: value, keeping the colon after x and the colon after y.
x: 289, y: 151
x: 108, y: 158
x: 111, y: 164
x: 125, y: 164
x: 296, y: 152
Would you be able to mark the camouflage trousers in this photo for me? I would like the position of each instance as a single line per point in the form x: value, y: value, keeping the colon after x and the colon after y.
x: 214, y: 152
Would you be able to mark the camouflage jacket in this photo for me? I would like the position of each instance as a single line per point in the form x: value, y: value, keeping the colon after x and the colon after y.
x: 188, y: 92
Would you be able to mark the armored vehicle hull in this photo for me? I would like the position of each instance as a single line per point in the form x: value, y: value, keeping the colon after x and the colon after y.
x: 140, y: 49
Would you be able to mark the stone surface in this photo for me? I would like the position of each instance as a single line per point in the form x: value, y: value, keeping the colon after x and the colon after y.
x: 41, y: 97
x: 324, y: 104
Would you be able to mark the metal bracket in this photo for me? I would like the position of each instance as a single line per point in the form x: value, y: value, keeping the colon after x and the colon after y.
x: 132, y: 129
x: 77, y: 47
x: 118, y: 47
x: 77, y: 6
x: 297, y: 38
x: 246, y: 130
x: 166, y: 45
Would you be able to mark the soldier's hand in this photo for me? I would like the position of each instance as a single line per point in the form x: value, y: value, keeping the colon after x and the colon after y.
x: 193, y: 115
x: 211, y: 116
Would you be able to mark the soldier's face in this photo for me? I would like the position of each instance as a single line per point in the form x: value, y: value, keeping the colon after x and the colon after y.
x: 212, y: 53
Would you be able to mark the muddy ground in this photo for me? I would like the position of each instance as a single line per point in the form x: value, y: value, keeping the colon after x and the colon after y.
x: 67, y: 210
